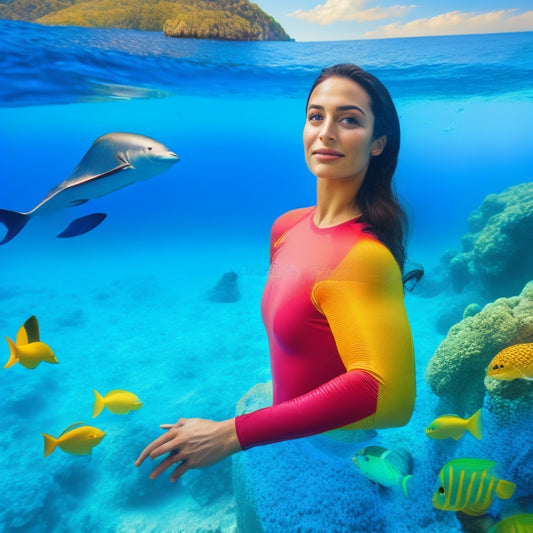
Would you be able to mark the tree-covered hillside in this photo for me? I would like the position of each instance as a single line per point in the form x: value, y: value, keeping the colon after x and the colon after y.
x: 204, y: 19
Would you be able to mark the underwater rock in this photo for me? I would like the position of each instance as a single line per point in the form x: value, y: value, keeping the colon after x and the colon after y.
x: 497, y: 255
x: 436, y: 280
x: 297, y: 485
x: 226, y: 290
x: 456, y: 372
x: 449, y: 314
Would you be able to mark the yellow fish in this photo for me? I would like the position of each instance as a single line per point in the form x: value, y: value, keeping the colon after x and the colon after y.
x: 513, y: 362
x: 470, y: 486
x: 28, y: 350
x: 454, y: 427
x: 518, y: 523
x: 119, y: 402
x: 77, y: 439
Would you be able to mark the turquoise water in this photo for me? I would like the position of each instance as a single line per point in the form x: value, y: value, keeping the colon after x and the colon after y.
x: 125, y: 305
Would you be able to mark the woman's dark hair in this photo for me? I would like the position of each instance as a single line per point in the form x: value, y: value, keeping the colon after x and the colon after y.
x: 376, y: 198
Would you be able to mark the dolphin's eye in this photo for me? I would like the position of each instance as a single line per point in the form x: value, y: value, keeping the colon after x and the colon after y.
x: 150, y: 148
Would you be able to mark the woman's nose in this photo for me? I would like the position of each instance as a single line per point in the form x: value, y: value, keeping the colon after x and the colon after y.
x: 327, y: 131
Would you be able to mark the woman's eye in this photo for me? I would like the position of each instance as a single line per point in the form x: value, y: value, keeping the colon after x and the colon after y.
x: 315, y: 117
x: 350, y: 121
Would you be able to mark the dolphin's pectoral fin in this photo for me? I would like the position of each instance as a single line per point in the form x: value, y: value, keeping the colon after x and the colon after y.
x: 82, y: 225
x: 14, y: 222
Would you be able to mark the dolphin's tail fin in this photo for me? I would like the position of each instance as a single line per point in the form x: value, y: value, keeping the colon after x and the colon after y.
x: 14, y: 222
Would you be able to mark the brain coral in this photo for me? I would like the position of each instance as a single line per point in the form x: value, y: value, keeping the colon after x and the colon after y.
x: 456, y: 372
x: 497, y: 253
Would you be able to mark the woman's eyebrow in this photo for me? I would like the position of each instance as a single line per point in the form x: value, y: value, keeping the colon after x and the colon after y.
x: 340, y: 108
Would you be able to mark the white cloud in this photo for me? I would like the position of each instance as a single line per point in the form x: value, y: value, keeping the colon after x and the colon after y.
x: 457, y: 23
x: 349, y: 10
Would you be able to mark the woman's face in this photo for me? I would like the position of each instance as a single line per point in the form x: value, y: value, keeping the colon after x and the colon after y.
x: 338, y: 132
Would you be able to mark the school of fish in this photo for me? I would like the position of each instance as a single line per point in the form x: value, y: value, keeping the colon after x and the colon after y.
x: 78, y: 438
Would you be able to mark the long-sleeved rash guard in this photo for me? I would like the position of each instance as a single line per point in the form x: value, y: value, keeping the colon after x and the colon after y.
x: 340, y: 344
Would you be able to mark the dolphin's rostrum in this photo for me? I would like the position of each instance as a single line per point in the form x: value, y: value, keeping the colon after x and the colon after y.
x: 115, y: 160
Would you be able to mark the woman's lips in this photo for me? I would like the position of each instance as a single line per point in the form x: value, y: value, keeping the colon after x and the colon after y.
x: 325, y: 154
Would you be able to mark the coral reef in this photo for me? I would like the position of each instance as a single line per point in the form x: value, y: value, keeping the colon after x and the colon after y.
x: 497, y: 254
x: 456, y: 372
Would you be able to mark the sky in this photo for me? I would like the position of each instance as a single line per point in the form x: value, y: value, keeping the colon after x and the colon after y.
x: 334, y: 20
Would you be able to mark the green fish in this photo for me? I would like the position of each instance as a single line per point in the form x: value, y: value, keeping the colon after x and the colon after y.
x: 470, y: 486
x: 383, y: 466
x: 518, y: 523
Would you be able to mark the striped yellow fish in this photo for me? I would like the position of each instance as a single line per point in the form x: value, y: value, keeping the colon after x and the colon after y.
x: 518, y: 523
x: 513, y: 362
x: 470, y: 486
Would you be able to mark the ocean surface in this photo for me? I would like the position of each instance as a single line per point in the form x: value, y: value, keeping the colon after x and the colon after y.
x: 125, y: 306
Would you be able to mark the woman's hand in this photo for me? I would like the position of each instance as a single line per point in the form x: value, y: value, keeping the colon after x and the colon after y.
x: 191, y: 443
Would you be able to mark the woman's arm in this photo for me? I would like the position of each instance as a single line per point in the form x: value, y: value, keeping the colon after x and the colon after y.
x: 339, y: 402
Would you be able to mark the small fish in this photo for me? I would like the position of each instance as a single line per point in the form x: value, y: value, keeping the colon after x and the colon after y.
x: 383, y: 466
x: 513, y: 362
x: 119, y: 402
x: 470, y: 486
x: 114, y: 160
x: 518, y: 523
x: 28, y: 350
x: 77, y: 439
x: 452, y: 426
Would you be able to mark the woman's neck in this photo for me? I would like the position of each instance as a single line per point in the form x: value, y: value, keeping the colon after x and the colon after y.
x: 335, y: 202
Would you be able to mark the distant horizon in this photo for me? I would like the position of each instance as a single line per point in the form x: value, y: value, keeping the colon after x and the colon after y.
x: 341, y: 20
x: 415, y: 37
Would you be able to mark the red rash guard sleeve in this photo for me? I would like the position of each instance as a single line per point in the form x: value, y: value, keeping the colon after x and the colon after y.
x: 334, y: 404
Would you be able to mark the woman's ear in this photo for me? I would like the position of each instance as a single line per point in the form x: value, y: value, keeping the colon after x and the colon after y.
x: 378, y: 145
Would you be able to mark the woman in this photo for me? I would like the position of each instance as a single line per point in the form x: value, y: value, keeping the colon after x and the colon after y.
x: 340, y: 343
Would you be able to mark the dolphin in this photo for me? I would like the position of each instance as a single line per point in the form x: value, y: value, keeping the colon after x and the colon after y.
x: 114, y: 160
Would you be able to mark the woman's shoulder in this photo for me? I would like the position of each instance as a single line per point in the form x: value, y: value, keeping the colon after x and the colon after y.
x: 284, y: 222
x: 371, y: 256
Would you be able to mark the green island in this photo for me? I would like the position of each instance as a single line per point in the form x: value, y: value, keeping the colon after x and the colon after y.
x: 233, y: 20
